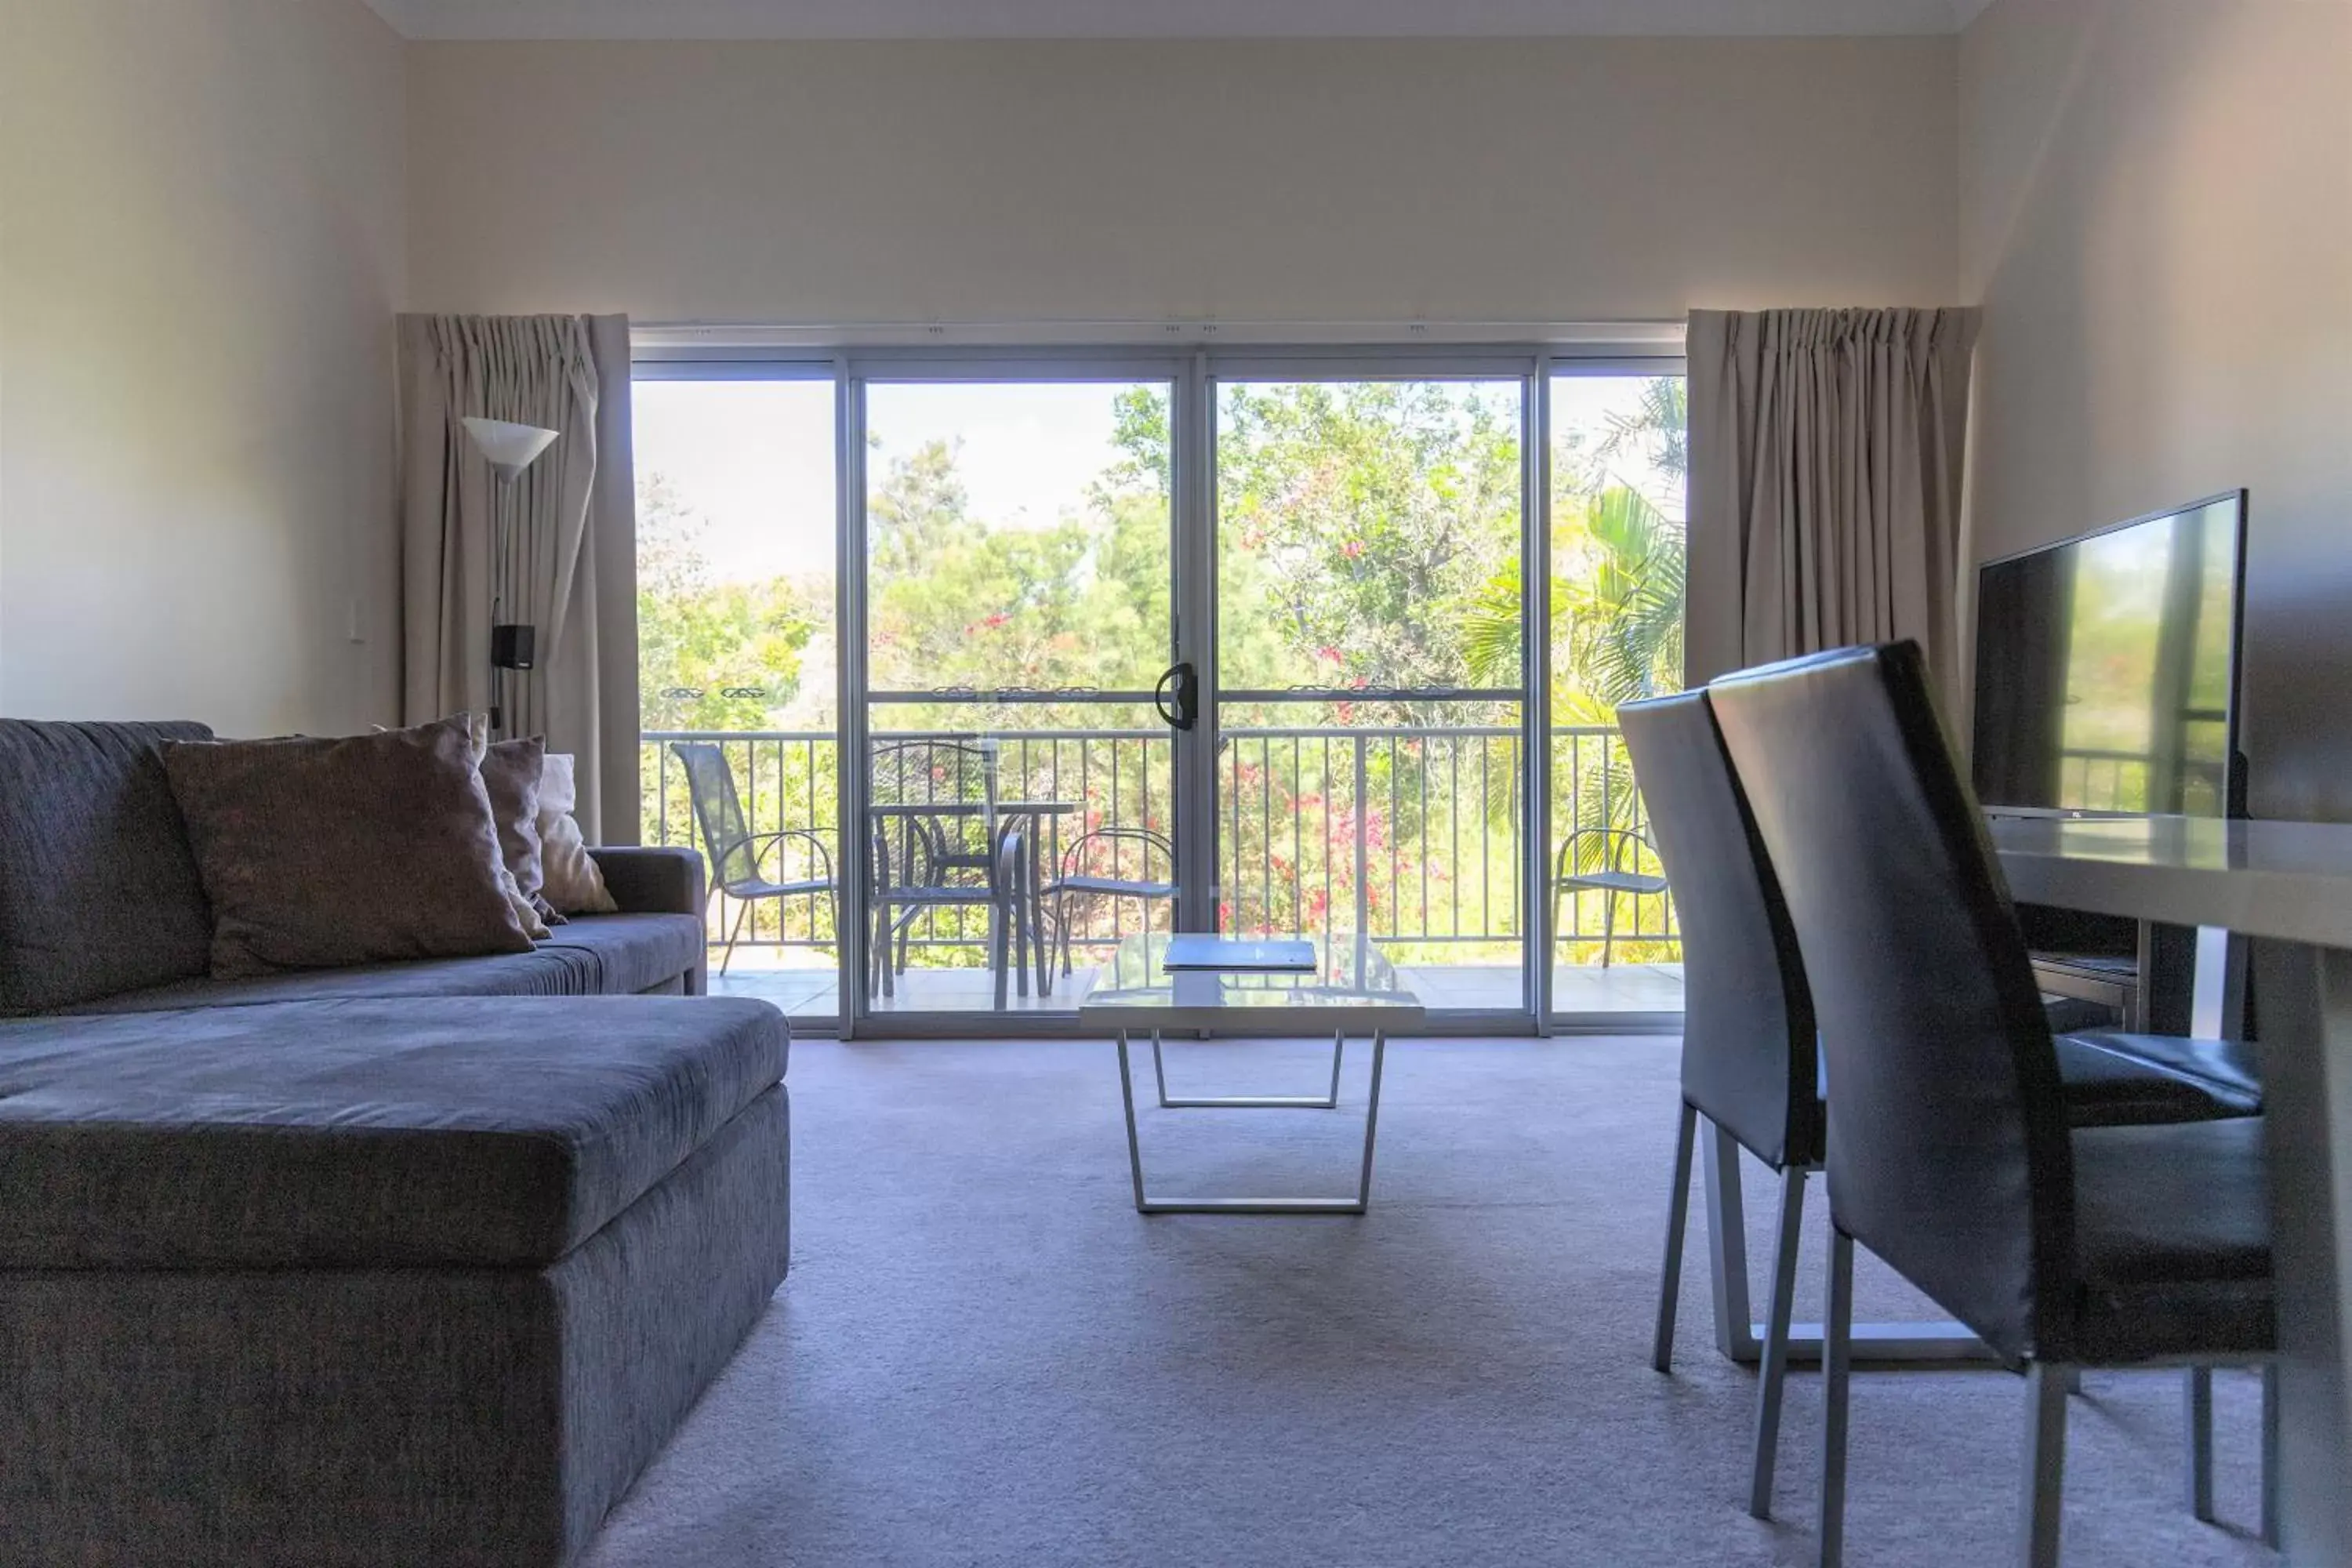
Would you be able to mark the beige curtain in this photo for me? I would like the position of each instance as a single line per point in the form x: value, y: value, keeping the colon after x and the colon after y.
x: 567, y: 565
x: 1825, y: 473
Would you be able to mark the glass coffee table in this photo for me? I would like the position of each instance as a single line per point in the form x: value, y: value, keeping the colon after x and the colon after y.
x: 1350, y: 989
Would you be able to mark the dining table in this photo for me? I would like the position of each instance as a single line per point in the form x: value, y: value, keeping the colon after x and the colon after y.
x: 1029, y: 819
x: 2286, y: 888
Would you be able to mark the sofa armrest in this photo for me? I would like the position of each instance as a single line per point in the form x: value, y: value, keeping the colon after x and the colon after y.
x: 653, y: 879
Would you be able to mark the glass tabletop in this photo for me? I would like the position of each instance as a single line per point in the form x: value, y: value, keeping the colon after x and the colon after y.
x: 1352, y: 984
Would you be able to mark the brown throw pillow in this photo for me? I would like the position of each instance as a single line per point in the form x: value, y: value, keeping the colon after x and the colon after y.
x: 319, y: 853
x: 512, y: 779
x: 510, y: 772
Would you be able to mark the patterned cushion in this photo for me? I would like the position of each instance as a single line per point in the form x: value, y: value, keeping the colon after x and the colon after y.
x: 98, y: 892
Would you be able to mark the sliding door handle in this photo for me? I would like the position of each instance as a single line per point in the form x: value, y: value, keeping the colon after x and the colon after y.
x: 1178, y: 696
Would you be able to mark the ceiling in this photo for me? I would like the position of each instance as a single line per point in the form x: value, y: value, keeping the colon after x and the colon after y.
x: 1169, y: 18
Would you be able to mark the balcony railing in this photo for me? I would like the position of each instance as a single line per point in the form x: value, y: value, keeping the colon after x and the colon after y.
x: 1411, y: 834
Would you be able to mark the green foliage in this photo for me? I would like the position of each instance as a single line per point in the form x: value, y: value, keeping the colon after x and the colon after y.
x: 1367, y: 537
x: 1362, y: 521
x: 735, y: 646
x: 956, y: 604
x: 1618, y: 622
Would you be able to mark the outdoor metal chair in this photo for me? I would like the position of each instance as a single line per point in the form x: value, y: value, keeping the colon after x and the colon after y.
x: 1112, y: 863
x: 1609, y: 873
x: 921, y: 862
x: 737, y: 855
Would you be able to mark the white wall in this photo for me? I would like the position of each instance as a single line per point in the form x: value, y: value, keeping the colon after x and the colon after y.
x: 2157, y: 216
x: 202, y: 238
x: 1523, y: 180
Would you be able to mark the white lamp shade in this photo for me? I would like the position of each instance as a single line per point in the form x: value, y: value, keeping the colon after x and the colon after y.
x: 510, y: 447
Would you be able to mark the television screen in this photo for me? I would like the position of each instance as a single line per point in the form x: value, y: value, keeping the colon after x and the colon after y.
x: 2106, y: 668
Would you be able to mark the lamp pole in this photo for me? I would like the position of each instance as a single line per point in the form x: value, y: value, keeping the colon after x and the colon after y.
x: 510, y: 448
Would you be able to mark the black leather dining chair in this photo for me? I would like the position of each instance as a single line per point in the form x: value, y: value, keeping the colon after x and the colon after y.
x: 1950, y: 1152
x: 1750, y: 1064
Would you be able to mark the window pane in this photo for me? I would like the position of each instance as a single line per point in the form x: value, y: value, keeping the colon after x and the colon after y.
x: 1368, y: 542
x: 736, y: 651
x: 1020, y: 787
x: 1617, y: 565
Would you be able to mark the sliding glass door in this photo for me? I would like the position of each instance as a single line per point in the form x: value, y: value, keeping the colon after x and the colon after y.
x: 1005, y: 659
x: 1616, y: 552
x: 1369, y: 700
x: 736, y: 654
x: 1019, y: 804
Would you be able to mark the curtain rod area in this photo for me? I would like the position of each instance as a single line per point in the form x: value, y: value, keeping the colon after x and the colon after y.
x: 1663, y: 338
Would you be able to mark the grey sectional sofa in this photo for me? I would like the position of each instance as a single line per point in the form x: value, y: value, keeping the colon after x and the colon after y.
x: 413, y: 1263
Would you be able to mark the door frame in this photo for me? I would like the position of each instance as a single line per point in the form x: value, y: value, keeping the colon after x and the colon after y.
x: 1194, y: 368
x: 1493, y: 364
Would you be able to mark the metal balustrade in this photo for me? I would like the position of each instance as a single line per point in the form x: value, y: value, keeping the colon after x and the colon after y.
x: 1413, y: 834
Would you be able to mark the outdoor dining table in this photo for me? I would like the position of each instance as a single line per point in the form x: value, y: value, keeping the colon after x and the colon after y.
x: 1027, y: 916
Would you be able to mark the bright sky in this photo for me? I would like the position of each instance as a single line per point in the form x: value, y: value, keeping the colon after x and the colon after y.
x: 756, y: 458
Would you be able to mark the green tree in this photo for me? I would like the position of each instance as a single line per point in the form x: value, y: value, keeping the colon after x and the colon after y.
x: 1363, y: 520
x: 711, y: 655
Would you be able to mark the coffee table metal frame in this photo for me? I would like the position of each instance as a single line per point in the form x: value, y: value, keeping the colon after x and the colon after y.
x: 1146, y: 1204
x: 1203, y: 1000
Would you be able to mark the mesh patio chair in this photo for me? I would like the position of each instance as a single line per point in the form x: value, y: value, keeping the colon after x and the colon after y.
x: 1608, y: 862
x: 737, y: 855
x: 920, y: 862
x: 1112, y: 863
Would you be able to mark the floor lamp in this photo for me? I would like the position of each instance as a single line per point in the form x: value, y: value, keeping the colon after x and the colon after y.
x: 511, y: 448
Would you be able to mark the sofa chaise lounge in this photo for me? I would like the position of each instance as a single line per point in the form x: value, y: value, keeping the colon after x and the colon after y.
x: 412, y: 1263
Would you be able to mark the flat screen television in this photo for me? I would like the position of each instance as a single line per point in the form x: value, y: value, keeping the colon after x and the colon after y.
x: 2106, y: 669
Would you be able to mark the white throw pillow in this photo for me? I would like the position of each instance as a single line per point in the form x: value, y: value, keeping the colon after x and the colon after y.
x: 575, y: 886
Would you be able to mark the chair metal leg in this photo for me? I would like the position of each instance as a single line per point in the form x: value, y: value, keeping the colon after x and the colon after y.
x: 1776, y: 1340
x: 2271, y: 1456
x: 2196, y: 1404
x: 2045, y: 1464
x: 1062, y: 930
x: 1924, y: 1342
x: 999, y: 952
x: 741, y: 909
x: 1670, y: 1276
x: 1608, y: 927
x: 1837, y: 1329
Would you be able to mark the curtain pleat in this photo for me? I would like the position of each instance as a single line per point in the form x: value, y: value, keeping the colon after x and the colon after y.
x: 1825, y: 473
x: 459, y: 570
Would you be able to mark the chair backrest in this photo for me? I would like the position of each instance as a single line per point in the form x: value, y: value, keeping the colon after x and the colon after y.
x: 1750, y: 1060
x: 911, y: 773
x: 920, y: 851
x: 719, y: 812
x: 1948, y: 1142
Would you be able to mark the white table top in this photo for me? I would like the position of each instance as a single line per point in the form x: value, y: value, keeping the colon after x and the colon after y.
x: 2290, y: 880
x: 1145, y: 995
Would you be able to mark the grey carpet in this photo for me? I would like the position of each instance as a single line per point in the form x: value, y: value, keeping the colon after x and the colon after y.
x: 985, y: 1356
